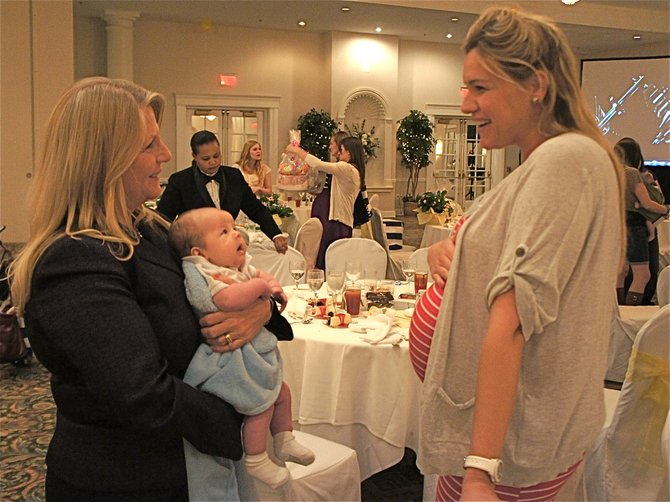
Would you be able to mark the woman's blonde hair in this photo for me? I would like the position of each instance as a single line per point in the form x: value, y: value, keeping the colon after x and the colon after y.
x: 515, y: 46
x: 248, y: 164
x: 93, y: 135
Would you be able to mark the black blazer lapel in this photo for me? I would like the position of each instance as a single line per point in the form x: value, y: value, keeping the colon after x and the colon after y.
x: 200, y: 188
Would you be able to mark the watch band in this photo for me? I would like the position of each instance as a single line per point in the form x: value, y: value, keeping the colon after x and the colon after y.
x: 492, y: 466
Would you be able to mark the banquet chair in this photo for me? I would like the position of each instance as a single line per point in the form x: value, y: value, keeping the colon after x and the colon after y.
x: 663, y: 287
x: 371, y: 255
x: 374, y: 200
x: 334, y: 475
x: 419, y: 259
x: 626, y: 461
x: 393, y: 260
x: 622, y: 338
x: 308, y: 240
x: 275, y: 263
x: 665, y: 445
x: 290, y: 226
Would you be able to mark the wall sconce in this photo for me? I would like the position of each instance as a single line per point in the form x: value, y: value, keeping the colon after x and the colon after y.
x: 227, y: 79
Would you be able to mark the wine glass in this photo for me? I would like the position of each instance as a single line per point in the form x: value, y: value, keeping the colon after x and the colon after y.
x: 335, y: 281
x: 408, y: 270
x: 315, y: 281
x: 297, y: 270
x: 352, y: 269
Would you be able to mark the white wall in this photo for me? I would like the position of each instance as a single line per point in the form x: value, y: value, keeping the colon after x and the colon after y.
x: 36, y: 66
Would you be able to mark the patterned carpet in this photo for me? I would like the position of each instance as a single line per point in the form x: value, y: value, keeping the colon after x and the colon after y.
x: 28, y: 416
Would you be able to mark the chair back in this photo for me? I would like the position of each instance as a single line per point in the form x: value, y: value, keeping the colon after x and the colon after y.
x: 308, y: 240
x: 275, y: 263
x: 374, y: 200
x: 393, y: 268
x: 627, y: 462
x: 663, y: 287
x: 419, y: 259
x: 370, y: 254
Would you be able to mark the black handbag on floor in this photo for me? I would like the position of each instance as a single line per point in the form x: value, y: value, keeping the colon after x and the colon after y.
x: 12, y: 345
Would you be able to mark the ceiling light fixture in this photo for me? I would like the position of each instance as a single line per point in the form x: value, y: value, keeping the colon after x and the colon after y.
x: 449, y: 35
x: 637, y: 37
x: 569, y: 2
x: 345, y: 9
x: 302, y: 23
x: 378, y: 29
x: 455, y: 19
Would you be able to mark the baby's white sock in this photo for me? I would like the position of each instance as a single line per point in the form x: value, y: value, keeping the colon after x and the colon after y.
x: 261, y: 467
x: 289, y: 450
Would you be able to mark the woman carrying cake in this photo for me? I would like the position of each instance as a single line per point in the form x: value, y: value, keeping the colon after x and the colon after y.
x: 334, y: 206
x: 256, y: 173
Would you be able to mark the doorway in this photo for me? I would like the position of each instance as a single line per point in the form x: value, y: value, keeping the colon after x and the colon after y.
x: 233, y: 128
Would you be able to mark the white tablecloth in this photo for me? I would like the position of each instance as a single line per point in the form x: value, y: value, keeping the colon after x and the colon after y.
x: 351, y: 392
x: 433, y: 234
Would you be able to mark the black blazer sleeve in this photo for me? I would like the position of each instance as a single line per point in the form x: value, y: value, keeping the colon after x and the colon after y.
x: 172, y: 202
x: 278, y: 325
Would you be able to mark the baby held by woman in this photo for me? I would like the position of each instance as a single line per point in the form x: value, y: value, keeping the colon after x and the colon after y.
x: 218, y: 276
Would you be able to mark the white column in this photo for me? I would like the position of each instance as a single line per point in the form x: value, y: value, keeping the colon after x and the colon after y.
x: 120, y: 24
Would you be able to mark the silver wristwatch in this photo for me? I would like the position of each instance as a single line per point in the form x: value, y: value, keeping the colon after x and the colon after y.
x: 493, y: 466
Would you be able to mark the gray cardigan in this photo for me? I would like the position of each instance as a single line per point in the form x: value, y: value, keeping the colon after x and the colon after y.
x: 551, y: 230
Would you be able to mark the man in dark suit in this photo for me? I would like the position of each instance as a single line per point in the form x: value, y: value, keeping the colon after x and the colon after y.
x: 188, y: 189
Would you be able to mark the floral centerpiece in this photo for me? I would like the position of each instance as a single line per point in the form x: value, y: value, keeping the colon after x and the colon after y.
x: 436, y: 208
x: 369, y: 140
x: 277, y: 207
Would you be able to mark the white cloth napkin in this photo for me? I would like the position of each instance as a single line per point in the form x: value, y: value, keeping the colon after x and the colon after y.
x: 376, y: 329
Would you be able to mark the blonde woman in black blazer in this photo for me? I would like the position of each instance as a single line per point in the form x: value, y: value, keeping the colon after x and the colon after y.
x: 106, y: 311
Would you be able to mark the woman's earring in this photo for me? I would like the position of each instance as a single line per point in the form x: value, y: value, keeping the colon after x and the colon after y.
x: 535, y: 100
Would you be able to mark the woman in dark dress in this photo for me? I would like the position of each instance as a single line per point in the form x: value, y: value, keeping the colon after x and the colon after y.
x: 334, y: 206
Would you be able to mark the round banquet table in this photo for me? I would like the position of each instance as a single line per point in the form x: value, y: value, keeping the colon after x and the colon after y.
x: 351, y: 392
x: 433, y: 234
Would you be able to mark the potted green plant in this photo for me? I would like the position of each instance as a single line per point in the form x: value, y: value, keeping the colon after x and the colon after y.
x: 316, y: 129
x: 415, y: 141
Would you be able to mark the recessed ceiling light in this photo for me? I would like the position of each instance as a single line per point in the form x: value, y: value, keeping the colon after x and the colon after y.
x: 378, y: 29
x: 449, y: 35
x: 637, y: 37
x: 302, y: 23
x: 345, y: 9
x: 569, y: 2
x: 455, y: 19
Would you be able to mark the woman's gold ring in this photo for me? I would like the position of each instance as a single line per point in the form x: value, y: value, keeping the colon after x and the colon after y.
x: 229, y: 339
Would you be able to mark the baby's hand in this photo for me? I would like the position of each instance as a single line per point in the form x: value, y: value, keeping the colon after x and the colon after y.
x: 280, y: 297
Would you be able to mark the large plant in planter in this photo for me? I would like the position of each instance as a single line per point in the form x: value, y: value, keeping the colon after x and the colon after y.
x: 415, y: 142
x: 316, y: 129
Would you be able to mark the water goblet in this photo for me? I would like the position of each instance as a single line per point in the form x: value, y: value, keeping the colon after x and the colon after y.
x: 408, y: 270
x: 297, y: 270
x: 335, y: 281
x: 315, y: 281
x: 352, y: 269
